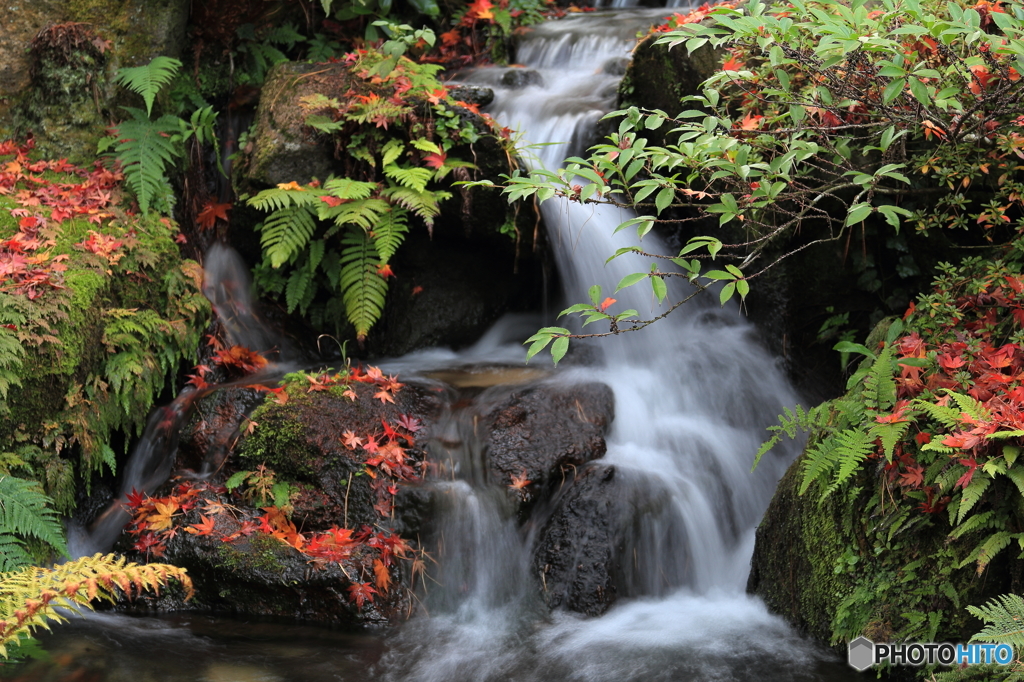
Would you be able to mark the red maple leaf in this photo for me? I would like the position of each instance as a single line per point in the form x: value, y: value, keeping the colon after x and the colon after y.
x: 361, y: 593
x: 435, y: 160
x: 410, y: 424
x: 205, y: 527
x: 211, y: 213
x: 913, y: 477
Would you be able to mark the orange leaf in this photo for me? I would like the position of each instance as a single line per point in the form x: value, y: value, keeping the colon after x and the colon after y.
x: 211, y: 213
x: 435, y: 160
x: 383, y: 576
x: 291, y: 186
x: 203, y: 528
x: 383, y: 396
x: 605, y: 304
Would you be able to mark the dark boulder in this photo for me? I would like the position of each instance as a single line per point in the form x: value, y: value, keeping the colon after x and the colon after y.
x: 610, y: 533
x: 543, y: 432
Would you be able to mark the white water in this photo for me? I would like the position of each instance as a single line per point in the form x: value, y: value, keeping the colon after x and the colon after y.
x: 693, y: 395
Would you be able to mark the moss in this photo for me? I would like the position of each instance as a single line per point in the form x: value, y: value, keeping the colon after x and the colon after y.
x: 263, y: 553
x: 279, y: 439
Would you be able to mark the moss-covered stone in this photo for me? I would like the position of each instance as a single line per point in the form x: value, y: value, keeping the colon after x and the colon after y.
x: 58, y: 59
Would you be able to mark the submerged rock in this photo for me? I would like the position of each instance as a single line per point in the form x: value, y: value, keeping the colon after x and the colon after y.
x: 521, y: 78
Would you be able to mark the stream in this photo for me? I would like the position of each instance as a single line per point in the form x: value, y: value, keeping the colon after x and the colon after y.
x: 693, y: 394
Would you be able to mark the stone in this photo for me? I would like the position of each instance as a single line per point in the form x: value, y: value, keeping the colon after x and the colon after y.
x: 521, y: 78
x: 545, y: 431
x: 611, y: 533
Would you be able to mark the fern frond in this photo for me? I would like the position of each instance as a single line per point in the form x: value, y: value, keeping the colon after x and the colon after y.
x: 391, y: 152
x: 969, y: 406
x: 389, y: 232
x: 947, y: 416
x: 144, y: 149
x: 972, y: 493
x: 363, y: 213
x: 33, y: 597
x: 285, y: 233
x: 852, y: 447
x: 363, y: 290
x: 12, y: 553
x: 25, y: 511
x: 346, y: 188
x: 819, y: 458
x: 879, y: 385
x: 148, y: 80
x: 890, y: 434
x: 973, y: 523
x: 414, y: 178
x: 422, y: 203
x: 1004, y: 619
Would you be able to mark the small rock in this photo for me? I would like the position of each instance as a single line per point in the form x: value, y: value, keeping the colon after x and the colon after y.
x: 521, y: 78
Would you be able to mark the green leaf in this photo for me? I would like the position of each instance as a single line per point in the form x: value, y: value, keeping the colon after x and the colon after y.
x: 630, y: 280
x: 727, y: 292
x: 858, y: 212
x: 148, y: 80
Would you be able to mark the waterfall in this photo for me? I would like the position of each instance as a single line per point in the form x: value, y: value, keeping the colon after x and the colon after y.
x: 693, y: 395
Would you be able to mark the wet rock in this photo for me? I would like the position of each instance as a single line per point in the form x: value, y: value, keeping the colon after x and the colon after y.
x: 616, y: 66
x: 302, y: 442
x: 257, y: 574
x: 545, y: 431
x: 658, y: 78
x: 240, y: 567
x: 472, y: 94
x: 801, y: 564
x: 610, y: 534
x: 215, y: 427
x: 521, y: 78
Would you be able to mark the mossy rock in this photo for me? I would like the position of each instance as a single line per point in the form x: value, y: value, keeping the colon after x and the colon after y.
x: 301, y: 441
x: 827, y: 566
x: 58, y: 59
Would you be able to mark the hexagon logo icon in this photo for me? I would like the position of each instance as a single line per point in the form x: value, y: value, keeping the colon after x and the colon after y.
x: 861, y: 654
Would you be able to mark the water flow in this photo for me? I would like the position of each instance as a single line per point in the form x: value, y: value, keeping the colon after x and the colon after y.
x: 693, y: 395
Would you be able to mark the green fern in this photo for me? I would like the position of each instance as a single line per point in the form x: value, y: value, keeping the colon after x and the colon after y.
x: 363, y: 290
x: 389, y: 232
x: 12, y: 353
x: 1004, y: 619
x: 25, y: 513
x: 412, y: 177
x: 286, y: 232
x: 145, y: 148
x: 879, y: 387
x: 148, y: 80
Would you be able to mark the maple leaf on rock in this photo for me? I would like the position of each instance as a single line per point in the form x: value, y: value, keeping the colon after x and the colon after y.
x: 361, y: 593
x: 205, y: 527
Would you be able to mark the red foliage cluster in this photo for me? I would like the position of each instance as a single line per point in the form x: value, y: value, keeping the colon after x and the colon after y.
x: 970, y: 359
x: 26, y: 265
x: 154, y: 523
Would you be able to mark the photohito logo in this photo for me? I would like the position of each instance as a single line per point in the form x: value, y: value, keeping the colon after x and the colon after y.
x: 863, y: 653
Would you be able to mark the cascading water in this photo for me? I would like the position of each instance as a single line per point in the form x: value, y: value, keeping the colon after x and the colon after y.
x: 693, y: 394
